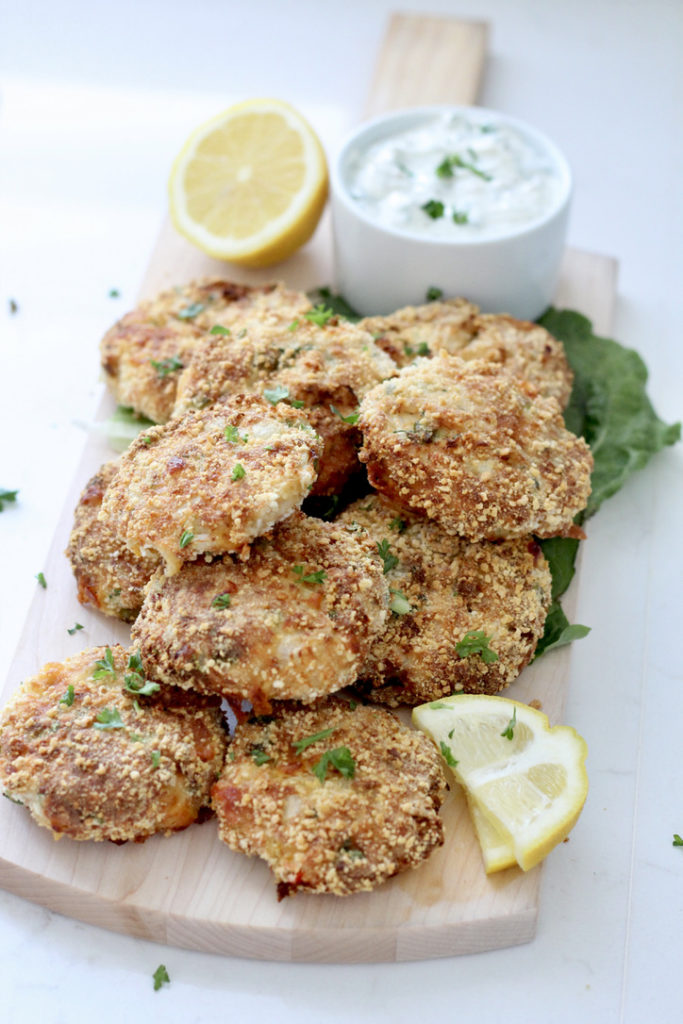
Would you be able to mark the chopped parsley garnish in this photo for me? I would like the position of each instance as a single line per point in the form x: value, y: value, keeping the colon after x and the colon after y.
x: 339, y: 758
x: 459, y: 217
x: 238, y: 472
x: 160, y: 977
x: 351, y: 851
x: 218, y: 329
x: 398, y: 524
x: 281, y: 394
x: 445, y: 168
x: 308, y: 741
x: 221, y: 601
x: 434, y: 208
x: 105, y: 666
x: 40, y: 576
x: 476, y: 642
x: 399, y: 604
x: 312, y: 577
x: 389, y: 560
x: 114, y: 293
x: 509, y: 730
x: 294, y: 324
x: 74, y: 629
x: 156, y: 758
x: 678, y: 840
x: 186, y: 537
x: 233, y: 435
x: 166, y: 366
x: 351, y: 419
x: 447, y: 754
x: 259, y: 755
x: 191, y: 311
x: 319, y: 315
x: 433, y: 294
x: 108, y: 718
x: 68, y: 697
x: 7, y: 496
x: 423, y: 349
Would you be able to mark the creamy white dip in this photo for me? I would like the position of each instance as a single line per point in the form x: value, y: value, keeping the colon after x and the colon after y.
x: 455, y: 177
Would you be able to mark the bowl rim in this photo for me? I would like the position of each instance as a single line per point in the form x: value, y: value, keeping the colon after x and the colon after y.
x: 394, y: 120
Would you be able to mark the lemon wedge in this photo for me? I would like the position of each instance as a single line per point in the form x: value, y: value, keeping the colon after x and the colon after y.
x: 250, y: 185
x: 525, y: 782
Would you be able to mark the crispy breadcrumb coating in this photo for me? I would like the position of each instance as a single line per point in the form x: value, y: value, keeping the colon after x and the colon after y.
x: 519, y: 347
x: 212, y: 480
x: 331, y: 822
x: 444, y: 588
x: 472, y: 448
x: 296, y: 620
x: 144, y: 352
x: 322, y: 369
x: 109, y: 576
x: 91, y: 760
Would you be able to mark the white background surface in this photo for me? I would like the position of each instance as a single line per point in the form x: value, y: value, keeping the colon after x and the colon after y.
x: 95, y: 100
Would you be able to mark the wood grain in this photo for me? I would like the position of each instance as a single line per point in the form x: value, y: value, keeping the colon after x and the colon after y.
x: 190, y: 890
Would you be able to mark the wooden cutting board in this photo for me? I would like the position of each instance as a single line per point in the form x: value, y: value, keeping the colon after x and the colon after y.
x: 190, y: 890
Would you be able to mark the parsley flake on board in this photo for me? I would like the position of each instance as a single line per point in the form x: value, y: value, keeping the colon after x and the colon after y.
x: 191, y: 311
x: 389, y: 560
x: 509, y: 731
x: 40, y: 576
x: 433, y: 294
x: 312, y: 577
x: 114, y: 293
x: 166, y: 366
x: 108, y: 718
x: 434, y: 208
x: 74, y: 629
x: 7, y: 496
x: 308, y: 741
x: 678, y: 840
x: 186, y: 537
x: 238, y: 472
x: 160, y: 977
x: 68, y: 697
x: 339, y: 758
x: 221, y: 601
x: 13, y: 307
x: 475, y: 641
x: 319, y: 315
x: 105, y: 666
x: 447, y: 754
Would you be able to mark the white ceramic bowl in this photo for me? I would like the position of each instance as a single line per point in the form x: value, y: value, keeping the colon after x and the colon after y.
x: 379, y: 269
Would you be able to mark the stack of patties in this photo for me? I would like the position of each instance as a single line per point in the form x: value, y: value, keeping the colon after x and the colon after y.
x: 429, y: 585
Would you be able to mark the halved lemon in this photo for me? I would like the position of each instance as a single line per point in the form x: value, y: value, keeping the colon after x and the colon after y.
x: 525, y: 782
x: 250, y: 185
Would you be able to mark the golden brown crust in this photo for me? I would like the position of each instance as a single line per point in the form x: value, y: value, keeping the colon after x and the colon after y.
x: 474, y: 449
x: 449, y: 587
x: 324, y: 370
x: 93, y: 761
x: 144, y: 353
x: 212, y: 480
x: 519, y: 347
x: 109, y: 576
x: 344, y: 834
x: 296, y: 620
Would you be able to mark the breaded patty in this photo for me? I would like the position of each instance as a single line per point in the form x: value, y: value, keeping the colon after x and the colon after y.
x: 422, y: 330
x: 471, y: 448
x: 325, y: 369
x: 519, y: 347
x: 144, y: 352
x: 336, y: 798
x: 296, y: 620
x: 109, y: 576
x: 93, y: 756
x: 445, y: 589
x: 212, y: 480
